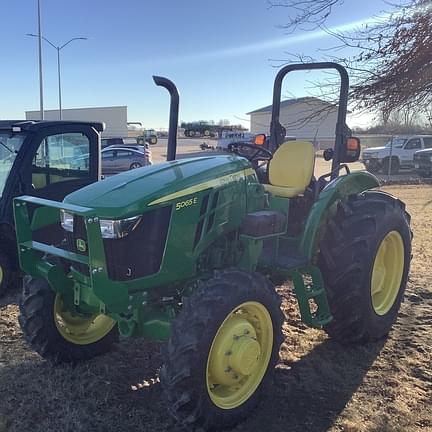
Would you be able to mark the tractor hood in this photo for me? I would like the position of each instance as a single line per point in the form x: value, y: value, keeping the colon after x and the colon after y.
x: 132, y: 192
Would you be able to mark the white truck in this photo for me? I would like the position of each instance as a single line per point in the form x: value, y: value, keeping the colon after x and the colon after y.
x: 398, y: 152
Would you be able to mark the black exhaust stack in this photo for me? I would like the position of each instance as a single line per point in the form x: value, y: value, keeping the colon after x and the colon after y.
x: 173, y: 118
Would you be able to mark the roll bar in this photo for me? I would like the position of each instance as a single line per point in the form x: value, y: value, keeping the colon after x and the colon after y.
x: 277, y: 132
x: 173, y: 117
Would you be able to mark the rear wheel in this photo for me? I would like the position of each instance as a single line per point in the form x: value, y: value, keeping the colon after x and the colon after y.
x: 5, y: 273
x: 223, y: 348
x: 207, y: 133
x: 135, y: 165
x: 365, y: 257
x: 57, y: 334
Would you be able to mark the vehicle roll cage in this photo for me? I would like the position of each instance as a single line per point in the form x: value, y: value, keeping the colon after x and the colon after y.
x: 277, y: 131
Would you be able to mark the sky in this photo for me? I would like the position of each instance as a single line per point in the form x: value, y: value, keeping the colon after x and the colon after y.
x: 219, y: 54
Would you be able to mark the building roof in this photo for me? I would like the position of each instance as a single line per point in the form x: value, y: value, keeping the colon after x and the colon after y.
x: 288, y: 102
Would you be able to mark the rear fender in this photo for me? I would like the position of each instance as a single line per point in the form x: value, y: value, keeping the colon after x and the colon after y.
x: 337, y: 190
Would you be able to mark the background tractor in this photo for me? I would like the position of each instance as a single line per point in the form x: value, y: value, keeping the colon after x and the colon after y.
x: 46, y: 159
x: 180, y: 252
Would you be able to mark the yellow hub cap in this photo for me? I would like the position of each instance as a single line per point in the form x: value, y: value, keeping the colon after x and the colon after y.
x: 387, y: 272
x: 79, y: 330
x: 239, y: 355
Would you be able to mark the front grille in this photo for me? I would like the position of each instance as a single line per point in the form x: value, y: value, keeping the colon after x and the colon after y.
x: 137, y: 255
x: 140, y: 253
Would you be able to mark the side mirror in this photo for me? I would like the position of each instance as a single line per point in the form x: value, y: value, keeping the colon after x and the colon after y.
x: 260, y: 139
x: 351, y: 150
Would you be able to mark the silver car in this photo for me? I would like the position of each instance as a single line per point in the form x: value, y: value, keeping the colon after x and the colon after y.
x: 117, y: 159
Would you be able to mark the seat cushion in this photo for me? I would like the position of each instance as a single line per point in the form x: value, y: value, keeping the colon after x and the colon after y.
x: 281, y: 191
x: 291, y: 168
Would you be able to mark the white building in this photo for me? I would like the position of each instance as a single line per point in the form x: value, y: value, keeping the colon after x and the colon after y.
x: 115, y: 118
x: 307, y: 118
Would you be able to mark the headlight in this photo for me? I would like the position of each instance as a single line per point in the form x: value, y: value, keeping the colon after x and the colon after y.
x: 115, y: 229
x: 66, y: 220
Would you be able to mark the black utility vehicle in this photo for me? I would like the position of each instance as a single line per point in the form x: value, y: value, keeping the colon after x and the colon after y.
x: 45, y: 159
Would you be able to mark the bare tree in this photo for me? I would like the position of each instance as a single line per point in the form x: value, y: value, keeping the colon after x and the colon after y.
x: 391, y: 67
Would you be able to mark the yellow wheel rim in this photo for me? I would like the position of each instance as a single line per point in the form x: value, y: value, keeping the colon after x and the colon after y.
x: 79, y: 330
x: 387, y: 272
x: 239, y: 355
x: 1, y: 274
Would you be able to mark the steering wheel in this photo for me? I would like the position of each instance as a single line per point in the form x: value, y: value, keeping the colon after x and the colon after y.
x: 261, y: 153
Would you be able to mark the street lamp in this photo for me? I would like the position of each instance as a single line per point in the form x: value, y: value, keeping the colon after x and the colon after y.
x: 39, y: 36
x: 58, y: 48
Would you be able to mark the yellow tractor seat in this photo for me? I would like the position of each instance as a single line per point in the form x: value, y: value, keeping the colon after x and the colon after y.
x: 291, y: 168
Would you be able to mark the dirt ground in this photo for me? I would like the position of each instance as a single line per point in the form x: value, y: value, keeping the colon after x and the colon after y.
x: 319, y: 385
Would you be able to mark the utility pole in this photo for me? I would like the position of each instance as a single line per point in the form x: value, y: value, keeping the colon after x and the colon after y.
x: 40, y: 63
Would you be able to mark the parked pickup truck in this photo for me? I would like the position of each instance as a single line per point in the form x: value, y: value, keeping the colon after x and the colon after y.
x: 401, y: 149
x: 423, y: 162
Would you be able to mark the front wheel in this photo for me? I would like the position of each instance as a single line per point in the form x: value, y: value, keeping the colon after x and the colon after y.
x: 57, y: 334
x: 394, y: 168
x: 223, y: 348
x: 365, y: 257
x: 373, y: 167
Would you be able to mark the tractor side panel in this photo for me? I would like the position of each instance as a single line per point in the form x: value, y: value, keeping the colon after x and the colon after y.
x: 335, y: 191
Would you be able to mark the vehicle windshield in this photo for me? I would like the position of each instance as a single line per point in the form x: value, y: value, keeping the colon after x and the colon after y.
x: 9, y: 148
x: 397, y: 142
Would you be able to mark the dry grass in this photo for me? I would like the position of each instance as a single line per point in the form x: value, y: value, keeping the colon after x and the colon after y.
x: 319, y: 386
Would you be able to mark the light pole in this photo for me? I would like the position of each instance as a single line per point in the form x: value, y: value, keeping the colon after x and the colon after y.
x: 40, y: 63
x: 58, y: 48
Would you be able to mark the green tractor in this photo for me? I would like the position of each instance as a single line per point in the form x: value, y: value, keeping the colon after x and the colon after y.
x: 180, y: 252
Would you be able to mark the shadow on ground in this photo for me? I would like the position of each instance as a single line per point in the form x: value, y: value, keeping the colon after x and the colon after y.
x: 309, y: 394
x: 120, y: 391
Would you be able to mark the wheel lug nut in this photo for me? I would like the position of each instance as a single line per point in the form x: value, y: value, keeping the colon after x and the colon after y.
x: 228, y: 369
x: 228, y: 353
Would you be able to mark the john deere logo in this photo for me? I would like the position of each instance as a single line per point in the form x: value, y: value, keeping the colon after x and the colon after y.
x: 81, y: 245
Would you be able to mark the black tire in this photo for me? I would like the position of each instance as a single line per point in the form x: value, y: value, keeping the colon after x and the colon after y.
x: 135, y: 165
x: 373, y: 168
x: 395, y: 166
x: 346, y: 260
x: 183, y: 375
x: 5, y: 273
x: 37, y: 323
